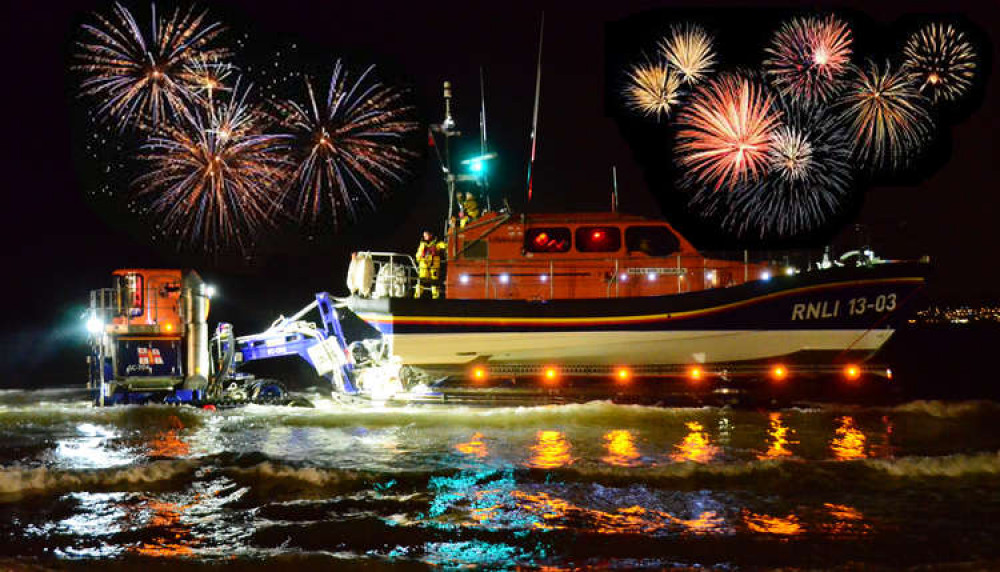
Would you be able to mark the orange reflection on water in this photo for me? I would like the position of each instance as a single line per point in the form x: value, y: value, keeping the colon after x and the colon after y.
x: 767, y: 524
x: 178, y: 540
x: 696, y: 446
x: 848, y: 441
x: 706, y: 523
x: 777, y: 439
x: 556, y: 513
x: 621, y: 448
x: 475, y: 446
x: 549, y: 508
x: 849, y: 521
x: 168, y: 443
x: 843, y: 512
x: 550, y: 451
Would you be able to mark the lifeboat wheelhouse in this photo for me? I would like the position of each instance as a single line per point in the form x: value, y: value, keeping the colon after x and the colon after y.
x: 588, y: 255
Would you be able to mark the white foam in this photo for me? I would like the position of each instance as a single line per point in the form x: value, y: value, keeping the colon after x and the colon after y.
x: 944, y: 466
x: 18, y: 481
x: 268, y: 472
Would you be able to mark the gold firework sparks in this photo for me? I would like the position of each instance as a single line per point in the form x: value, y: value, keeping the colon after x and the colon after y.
x: 137, y: 77
x: 652, y: 90
x: 940, y: 60
x: 214, y: 177
x: 690, y: 52
x: 204, y: 77
x: 790, y: 154
x: 888, y: 118
x: 346, y: 146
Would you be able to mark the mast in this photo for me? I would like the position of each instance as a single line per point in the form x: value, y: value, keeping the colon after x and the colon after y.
x: 534, y: 115
x: 482, y: 135
x: 447, y: 129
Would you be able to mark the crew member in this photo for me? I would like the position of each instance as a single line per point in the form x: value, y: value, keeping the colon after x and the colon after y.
x: 471, y: 208
x: 429, y: 265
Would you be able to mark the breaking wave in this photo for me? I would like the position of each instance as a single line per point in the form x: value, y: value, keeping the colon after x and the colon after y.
x: 16, y: 482
x: 948, y: 409
x: 330, y: 413
x: 946, y: 466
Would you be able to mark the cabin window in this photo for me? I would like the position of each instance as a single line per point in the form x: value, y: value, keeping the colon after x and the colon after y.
x: 651, y: 240
x: 476, y: 249
x: 598, y: 239
x: 547, y: 239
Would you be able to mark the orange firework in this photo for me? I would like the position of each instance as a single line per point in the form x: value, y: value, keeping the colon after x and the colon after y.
x: 724, y: 136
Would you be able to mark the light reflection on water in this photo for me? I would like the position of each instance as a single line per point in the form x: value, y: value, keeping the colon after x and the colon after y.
x: 768, y: 524
x: 550, y: 451
x: 696, y: 446
x: 848, y: 443
x: 497, y: 500
x: 494, y: 489
x: 168, y: 443
x: 474, y: 446
x: 621, y: 448
x: 174, y: 537
x: 778, y: 440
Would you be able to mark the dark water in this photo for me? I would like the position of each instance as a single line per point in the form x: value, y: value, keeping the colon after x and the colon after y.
x: 554, y: 487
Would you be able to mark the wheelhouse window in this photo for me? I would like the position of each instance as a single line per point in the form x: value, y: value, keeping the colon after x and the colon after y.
x: 651, y: 240
x: 598, y: 239
x: 547, y: 239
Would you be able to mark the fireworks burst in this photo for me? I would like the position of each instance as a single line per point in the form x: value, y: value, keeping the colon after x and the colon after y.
x: 204, y: 77
x: 808, y: 56
x: 346, y: 145
x: 214, y: 177
x: 887, y: 116
x: 724, y: 136
x: 653, y: 90
x: 690, y: 52
x: 138, y: 77
x: 940, y: 61
x: 808, y: 179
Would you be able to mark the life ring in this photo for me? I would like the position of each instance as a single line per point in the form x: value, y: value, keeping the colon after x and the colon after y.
x: 352, y: 270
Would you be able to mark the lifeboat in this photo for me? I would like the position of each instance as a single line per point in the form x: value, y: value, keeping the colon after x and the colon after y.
x: 591, y: 291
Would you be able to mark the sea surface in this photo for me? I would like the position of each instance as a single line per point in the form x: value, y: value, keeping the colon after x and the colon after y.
x: 595, y: 485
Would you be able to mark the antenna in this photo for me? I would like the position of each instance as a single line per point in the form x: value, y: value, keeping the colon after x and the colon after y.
x: 482, y: 135
x: 614, y: 188
x: 534, y: 115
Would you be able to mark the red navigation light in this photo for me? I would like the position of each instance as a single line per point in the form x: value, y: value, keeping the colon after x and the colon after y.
x: 479, y: 373
x: 623, y: 374
x: 852, y: 372
x: 695, y: 373
x: 551, y: 373
x: 779, y: 372
x: 597, y: 235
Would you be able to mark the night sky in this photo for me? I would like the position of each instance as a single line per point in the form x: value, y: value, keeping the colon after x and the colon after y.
x: 61, y: 242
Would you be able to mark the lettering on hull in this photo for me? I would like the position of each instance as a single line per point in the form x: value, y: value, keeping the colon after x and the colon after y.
x: 826, y: 309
